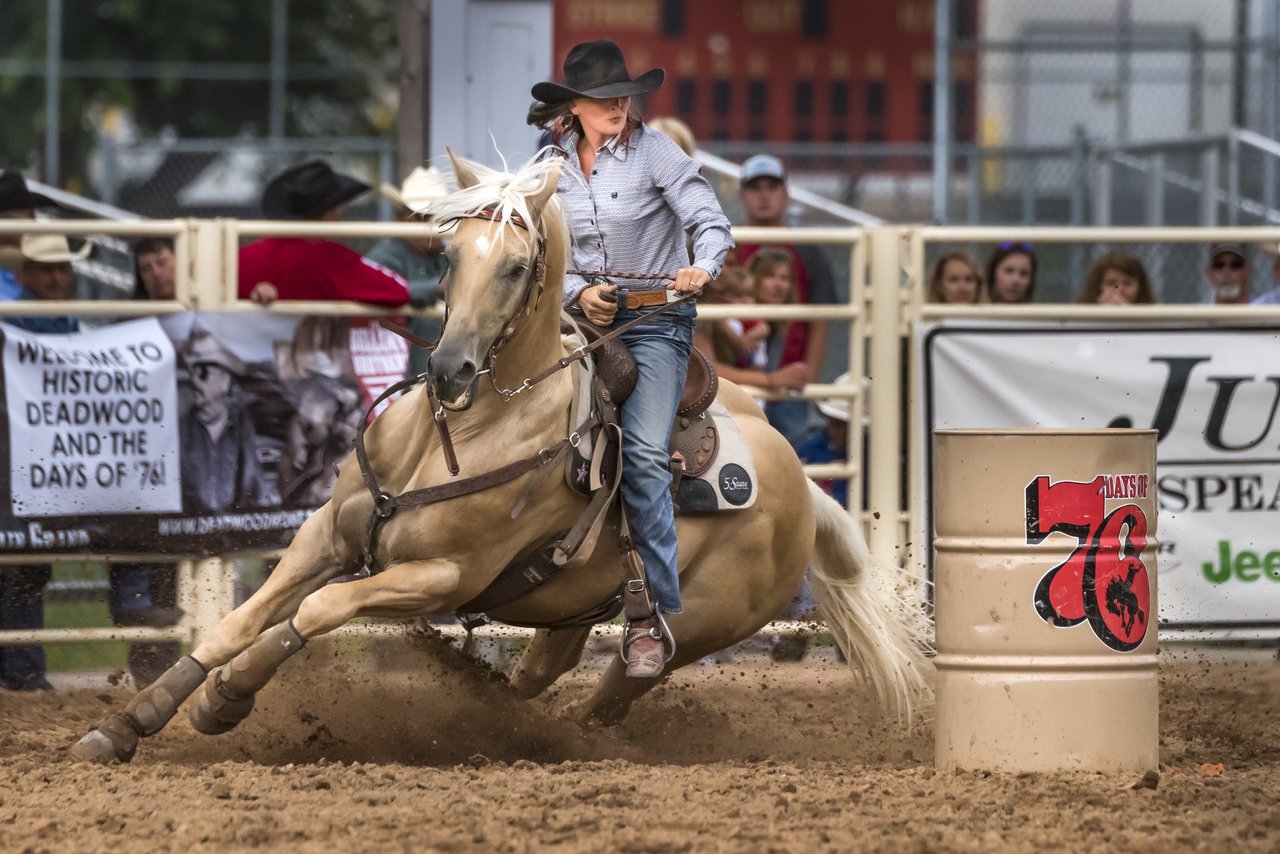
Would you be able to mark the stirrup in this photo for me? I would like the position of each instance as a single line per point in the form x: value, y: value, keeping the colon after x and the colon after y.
x: 659, y: 631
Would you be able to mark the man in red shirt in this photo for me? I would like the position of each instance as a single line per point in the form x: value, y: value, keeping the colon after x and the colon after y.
x: 763, y: 190
x: 304, y: 268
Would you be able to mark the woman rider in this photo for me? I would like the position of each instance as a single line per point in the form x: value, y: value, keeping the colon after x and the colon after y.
x: 630, y: 196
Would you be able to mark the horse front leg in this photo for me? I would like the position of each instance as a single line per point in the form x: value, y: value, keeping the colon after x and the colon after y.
x: 305, y: 567
x: 551, y: 653
x: 402, y: 590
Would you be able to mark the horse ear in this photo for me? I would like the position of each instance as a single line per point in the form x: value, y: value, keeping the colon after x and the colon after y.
x: 538, y: 200
x: 463, y: 171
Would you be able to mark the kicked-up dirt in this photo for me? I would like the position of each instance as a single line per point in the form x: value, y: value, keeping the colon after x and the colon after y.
x: 346, y: 753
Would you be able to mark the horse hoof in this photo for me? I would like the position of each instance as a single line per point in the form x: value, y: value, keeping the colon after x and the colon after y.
x: 214, y: 713
x: 111, y: 740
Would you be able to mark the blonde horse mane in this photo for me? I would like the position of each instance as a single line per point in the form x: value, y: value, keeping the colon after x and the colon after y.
x: 507, y: 193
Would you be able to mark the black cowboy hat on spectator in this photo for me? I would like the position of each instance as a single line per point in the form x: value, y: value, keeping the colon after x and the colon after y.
x: 597, y: 70
x: 307, y: 190
x: 14, y: 195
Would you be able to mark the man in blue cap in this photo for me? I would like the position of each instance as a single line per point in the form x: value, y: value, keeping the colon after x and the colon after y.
x: 763, y: 190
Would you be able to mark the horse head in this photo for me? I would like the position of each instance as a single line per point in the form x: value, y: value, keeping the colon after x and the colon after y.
x: 509, y: 236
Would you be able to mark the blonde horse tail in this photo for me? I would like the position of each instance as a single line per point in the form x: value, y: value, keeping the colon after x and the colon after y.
x: 872, y: 609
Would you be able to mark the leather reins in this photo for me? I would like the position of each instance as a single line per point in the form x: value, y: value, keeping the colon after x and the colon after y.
x: 386, y: 504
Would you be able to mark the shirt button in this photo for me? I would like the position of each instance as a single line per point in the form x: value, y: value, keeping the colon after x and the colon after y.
x: 595, y: 171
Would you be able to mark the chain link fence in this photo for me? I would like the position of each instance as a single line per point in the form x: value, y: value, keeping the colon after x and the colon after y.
x: 166, y: 178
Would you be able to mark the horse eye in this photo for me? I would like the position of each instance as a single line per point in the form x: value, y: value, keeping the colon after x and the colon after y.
x: 517, y: 271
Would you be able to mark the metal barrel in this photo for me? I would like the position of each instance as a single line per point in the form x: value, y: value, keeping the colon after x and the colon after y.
x: 1045, y: 599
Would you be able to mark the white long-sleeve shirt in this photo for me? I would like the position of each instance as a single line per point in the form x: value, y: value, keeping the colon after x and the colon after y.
x: 633, y: 215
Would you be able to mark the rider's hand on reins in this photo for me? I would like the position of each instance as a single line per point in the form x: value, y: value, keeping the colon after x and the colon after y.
x: 690, y: 279
x: 596, y: 307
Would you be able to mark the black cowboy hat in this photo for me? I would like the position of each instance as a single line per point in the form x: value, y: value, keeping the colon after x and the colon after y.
x: 14, y: 195
x: 597, y: 70
x: 307, y: 190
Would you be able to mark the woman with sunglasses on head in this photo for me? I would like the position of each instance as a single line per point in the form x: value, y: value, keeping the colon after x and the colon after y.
x: 1011, y: 274
x: 630, y: 197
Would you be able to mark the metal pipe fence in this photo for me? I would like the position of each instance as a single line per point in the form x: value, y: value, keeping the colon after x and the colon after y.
x: 886, y: 298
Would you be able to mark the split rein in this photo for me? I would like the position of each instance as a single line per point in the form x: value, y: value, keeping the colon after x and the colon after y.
x: 385, y: 504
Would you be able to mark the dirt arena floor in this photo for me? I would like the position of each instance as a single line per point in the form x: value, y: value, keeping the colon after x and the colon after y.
x: 749, y: 756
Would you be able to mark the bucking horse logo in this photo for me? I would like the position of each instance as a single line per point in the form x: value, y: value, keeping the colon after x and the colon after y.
x: 1122, y: 602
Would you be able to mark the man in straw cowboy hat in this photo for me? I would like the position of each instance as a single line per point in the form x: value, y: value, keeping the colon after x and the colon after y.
x: 16, y: 202
x: 418, y: 260
x: 22, y: 668
x: 307, y: 268
x: 41, y: 263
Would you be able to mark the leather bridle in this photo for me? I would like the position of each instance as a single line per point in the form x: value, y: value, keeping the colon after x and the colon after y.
x: 530, y: 299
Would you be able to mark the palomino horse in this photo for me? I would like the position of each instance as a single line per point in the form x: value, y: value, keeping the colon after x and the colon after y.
x: 738, y: 568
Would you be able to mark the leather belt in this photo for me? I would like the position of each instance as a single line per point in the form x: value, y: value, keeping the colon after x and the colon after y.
x: 644, y: 299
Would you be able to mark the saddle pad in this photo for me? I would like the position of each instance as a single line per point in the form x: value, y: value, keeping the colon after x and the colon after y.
x: 730, y: 482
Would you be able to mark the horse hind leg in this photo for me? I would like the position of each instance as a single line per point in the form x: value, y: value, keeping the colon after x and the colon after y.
x: 613, y: 697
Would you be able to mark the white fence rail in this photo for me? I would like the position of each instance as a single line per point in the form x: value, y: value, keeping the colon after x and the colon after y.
x: 886, y: 296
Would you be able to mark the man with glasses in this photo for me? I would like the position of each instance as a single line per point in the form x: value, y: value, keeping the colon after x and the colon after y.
x: 1228, y: 273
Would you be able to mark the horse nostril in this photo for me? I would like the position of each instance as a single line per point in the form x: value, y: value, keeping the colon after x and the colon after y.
x: 467, y: 372
x: 452, y: 376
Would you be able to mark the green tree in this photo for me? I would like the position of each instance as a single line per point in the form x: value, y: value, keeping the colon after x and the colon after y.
x: 199, y: 68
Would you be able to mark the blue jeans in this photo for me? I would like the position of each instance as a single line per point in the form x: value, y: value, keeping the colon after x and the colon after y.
x: 22, y: 607
x: 661, y: 349
x: 790, y: 418
x: 129, y: 590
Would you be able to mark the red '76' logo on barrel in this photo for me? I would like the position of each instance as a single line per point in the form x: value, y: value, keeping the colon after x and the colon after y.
x: 1104, y: 580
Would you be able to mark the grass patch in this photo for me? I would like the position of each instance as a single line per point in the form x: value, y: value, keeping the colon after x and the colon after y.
x: 76, y: 615
x: 82, y: 656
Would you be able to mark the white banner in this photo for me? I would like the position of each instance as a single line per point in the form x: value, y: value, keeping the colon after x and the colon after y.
x: 92, y: 418
x: 1212, y: 394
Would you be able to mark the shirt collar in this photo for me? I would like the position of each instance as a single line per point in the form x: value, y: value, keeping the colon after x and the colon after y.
x: 618, y: 151
x: 611, y: 145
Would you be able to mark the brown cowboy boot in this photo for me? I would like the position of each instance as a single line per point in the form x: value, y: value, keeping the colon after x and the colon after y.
x: 643, y: 650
